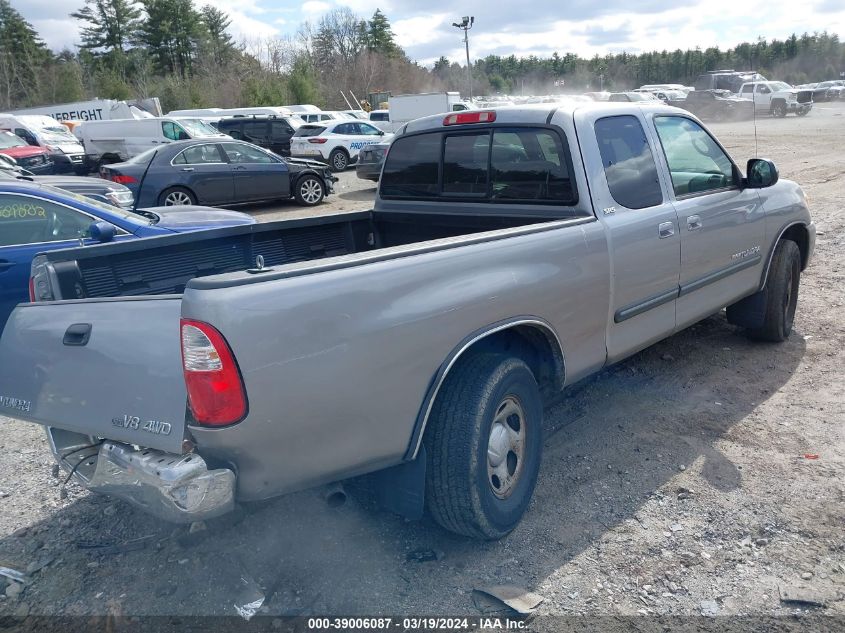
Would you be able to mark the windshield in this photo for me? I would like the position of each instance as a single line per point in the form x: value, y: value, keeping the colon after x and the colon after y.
x: 310, y: 130
x: 779, y: 85
x: 198, y: 127
x: 56, y: 134
x: 144, y: 157
x: 7, y: 140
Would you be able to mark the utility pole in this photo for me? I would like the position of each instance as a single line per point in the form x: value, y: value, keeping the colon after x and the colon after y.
x: 465, y: 25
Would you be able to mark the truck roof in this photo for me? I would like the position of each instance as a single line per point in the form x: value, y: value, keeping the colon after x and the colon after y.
x: 543, y: 113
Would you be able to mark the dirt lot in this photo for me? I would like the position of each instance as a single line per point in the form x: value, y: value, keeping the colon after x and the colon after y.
x: 702, y: 476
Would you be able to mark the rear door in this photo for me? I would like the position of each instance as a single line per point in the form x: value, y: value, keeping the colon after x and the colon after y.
x: 632, y: 202
x: 257, y: 175
x: 105, y: 368
x: 205, y: 170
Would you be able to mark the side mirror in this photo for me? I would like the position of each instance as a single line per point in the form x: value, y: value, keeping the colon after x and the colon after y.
x: 761, y: 173
x: 381, y: 132
x: 102, y: 231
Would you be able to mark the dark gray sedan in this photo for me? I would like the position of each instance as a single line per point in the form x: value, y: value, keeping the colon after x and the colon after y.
x: 215, y: 172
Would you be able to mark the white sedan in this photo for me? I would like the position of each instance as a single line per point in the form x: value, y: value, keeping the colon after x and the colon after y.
x: 335, y: 142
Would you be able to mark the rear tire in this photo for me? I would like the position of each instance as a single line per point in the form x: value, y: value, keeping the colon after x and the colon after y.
x: 484, y: 446
x: 176, y: 195
x: 780, y: 294
x: 338, y: 160
x: 309, y: 191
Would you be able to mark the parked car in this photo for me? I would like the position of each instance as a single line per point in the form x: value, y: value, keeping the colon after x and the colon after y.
x: 273, y: 133
x: 777, y: 98
x: 833, y: 90
x: 94, y: 188
x: 119, y: 140
x: 48, y: 134
x: 206, y: 171
x: 718, y: 105
x: 35, y: 159
x: 336, y: 143
x: 509, y: 254
x: 36, y: 218
x: 631, y: 96
x: 370, y: 161
x: 323, y: 116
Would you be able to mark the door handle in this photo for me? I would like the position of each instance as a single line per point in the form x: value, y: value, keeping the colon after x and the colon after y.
x: 77, y: 334
x: 666, y: 229
x: 693, y: 223
x: 239, y: 167
x: 4, y: 265
x: 187, y: 169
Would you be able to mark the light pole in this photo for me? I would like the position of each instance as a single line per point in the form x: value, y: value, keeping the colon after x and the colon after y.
x: 466, y: 24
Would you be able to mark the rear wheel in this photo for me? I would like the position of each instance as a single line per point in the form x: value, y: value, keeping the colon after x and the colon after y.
x: 176, y: 196
x: 484, y: 445
x: 338, y: 160
x: 309, y: 191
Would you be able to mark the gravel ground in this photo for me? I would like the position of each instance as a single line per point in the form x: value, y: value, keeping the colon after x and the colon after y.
x: 702, y: 476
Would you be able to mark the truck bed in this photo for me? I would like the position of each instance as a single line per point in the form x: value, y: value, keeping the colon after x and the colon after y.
x: 164, y: 265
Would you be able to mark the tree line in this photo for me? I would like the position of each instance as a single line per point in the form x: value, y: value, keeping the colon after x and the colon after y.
x: 185, y: 56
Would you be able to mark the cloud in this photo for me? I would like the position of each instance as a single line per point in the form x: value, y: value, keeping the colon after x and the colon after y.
x: 315, y: 7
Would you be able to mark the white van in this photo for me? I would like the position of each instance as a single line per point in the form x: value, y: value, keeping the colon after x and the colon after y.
x: 115, y: 141
x: 223, y: 113
x: 44, y: 131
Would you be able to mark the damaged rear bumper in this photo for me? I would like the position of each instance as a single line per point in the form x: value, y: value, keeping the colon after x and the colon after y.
x: 176, y: 488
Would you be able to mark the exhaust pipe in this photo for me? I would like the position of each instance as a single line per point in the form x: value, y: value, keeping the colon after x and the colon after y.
x: 334, y: 495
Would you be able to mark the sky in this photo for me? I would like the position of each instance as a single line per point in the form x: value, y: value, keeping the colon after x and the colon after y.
x: 585, y: 27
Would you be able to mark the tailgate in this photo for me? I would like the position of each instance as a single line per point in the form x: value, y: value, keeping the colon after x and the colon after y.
x: 107, y: 368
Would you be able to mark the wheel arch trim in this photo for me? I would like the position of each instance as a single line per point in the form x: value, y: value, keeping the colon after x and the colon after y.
x: 783, y: 231
x: 465, y: 345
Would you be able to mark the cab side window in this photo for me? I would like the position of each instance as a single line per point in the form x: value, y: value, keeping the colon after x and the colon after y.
x: 696, y: 162
x: 26, y: 220
x: 173, y: 132
x: 628, y: 162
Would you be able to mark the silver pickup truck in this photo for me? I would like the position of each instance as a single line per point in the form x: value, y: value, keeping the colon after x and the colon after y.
x: 509, y: 254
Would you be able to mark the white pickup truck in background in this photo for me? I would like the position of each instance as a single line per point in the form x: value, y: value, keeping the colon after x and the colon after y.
x: 777, y: 98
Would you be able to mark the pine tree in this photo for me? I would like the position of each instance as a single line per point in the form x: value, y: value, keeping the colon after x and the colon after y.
x: 221, y: 47
x: 172, y: 34
x: 111, y: 27
x: 22, y: 57
x: 380, y: 36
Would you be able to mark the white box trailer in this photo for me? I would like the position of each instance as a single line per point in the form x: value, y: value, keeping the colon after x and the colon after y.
x: 404, y: 108
x: 97, y: 110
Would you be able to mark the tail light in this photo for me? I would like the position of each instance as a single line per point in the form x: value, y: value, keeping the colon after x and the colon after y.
x: 469, y: 117
x: 32, y: 289
x: 317, y: 140
x: 122, y: 179
x: 216, y: 392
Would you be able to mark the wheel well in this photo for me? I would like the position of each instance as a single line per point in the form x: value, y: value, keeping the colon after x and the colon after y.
x: 182, y: 187
x: 340, y: 148
x: 798, y: 234
x: 535, y: 344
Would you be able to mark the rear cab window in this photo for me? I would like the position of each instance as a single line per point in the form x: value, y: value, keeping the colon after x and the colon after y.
x: 494, y: 165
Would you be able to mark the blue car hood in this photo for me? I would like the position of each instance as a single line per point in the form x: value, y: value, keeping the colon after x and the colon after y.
x: 190, y: 217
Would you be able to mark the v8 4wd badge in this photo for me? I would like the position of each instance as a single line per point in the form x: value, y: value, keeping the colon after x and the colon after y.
x: 134, y: 423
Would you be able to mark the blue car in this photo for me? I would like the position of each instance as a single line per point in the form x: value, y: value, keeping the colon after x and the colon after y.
x: 35, y: 218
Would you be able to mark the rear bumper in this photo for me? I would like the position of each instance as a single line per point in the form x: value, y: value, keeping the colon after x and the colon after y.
x: 369, y: 171
x: 176, y: 488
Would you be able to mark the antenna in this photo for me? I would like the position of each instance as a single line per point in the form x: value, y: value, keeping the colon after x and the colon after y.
x: 754, y: 116
x: 141, y: 184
